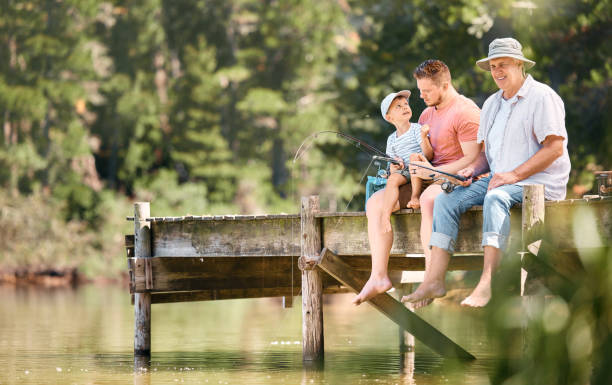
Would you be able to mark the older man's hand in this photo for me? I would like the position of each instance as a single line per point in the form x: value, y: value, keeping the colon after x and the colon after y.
x: 502, y: 178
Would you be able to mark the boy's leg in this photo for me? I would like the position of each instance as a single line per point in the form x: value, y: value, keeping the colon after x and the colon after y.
x: 390, y: 199
x: 380, y: 246
x: 417, y: 186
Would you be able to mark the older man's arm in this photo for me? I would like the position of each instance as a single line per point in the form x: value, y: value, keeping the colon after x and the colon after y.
x: 552, y: 148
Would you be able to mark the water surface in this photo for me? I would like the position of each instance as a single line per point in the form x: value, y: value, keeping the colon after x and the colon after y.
x: 85, y: 336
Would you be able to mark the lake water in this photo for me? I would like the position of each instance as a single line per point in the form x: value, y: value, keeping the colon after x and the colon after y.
x: 85, y: 336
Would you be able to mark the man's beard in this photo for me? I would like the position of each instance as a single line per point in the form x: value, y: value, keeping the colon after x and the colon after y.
x: 436, y: 102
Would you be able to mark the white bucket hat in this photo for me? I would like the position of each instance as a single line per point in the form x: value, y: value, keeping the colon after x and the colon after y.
x: 505, y: 47
x: 386, y: 102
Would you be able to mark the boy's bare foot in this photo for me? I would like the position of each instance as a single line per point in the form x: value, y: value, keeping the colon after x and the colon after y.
x: 480, y: 296
x: 414, y: 203
x: 372, y: 288
x: 385, y: 224
x: 425, y: 291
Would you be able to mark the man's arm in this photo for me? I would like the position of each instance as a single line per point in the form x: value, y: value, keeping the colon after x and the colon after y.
x: 552, y: 148
x: 478, y: 167
x: 471, y: 151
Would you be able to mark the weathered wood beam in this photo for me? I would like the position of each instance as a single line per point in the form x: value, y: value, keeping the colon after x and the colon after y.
x: 346, y: 233
x: 222, y: 294
x: 393, y: 309
x: 257, y: 236
x: 214, y: 273
x: 398, y: 263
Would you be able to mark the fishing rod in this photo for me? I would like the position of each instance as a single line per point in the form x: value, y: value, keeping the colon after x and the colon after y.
x: 374, y: 152
x: 391, y: 160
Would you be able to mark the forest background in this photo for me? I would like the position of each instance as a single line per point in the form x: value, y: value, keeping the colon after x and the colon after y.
x: 199, y: 106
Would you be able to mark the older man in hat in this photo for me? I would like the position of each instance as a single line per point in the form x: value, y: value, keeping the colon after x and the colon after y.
x: 523, y: 129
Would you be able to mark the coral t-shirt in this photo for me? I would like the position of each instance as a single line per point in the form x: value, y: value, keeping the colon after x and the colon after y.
x: 449, y: 126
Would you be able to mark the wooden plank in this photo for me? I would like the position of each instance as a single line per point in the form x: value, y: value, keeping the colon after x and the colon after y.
x: 348, y: 235
x: 215, y: 273
x: 199, y: 273
x: 222, y: 237
x: 395, y: 310
x: 562, y: 218
x: 566, y: 264
x: 312, y: 282
x: 223, y: 294
x: 398, y: 263
x: 170, y: 274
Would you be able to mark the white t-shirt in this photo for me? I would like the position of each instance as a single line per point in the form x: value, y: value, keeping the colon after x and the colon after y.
x: 495, y: 137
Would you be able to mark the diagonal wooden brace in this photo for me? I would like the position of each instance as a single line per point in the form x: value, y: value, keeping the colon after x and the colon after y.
x: 393, y: 309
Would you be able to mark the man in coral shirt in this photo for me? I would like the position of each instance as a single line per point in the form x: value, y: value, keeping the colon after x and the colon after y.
x: 453, y: 120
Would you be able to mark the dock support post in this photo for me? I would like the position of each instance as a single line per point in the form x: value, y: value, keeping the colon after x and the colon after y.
x: 142, y: 301
x: 532, y: 234
x: 312, y: 281
x: 532, y: 222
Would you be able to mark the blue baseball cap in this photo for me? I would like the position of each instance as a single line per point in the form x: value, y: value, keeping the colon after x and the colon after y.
x: 386, y: 102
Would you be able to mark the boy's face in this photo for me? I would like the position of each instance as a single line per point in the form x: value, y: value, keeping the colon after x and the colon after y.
x: 399, y: 111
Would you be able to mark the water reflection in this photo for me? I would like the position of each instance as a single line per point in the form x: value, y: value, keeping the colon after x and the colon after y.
x: 86, y: 336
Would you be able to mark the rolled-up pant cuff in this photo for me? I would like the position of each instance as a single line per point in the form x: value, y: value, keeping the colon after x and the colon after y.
x: 442, y: 241
x: 495, y: 240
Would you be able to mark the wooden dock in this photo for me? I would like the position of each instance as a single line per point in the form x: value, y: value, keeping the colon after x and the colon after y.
x: 201, y: 258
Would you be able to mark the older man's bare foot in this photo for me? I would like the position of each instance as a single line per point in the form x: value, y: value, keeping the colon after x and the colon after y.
x: 480, y: 296
x: 414, y: 203
x: 372, y: 288
x: 425, y: 291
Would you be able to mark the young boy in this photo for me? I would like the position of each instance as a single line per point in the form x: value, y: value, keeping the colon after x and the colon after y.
x: 403, y: 145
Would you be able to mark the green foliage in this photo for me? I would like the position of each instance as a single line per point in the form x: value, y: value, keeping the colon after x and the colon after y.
x: 564, y: 338
x: 205, y: 113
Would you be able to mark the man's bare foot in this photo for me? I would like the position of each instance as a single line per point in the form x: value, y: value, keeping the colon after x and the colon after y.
x: 480, y: 296
x: 385, y: 223
x: 372, y: 288
x: 414, y: 203
x: 422, y: 303
x: 425, y: 291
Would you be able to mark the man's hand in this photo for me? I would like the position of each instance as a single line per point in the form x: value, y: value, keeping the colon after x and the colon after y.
x: 421, y: 172
x: 502, y: 179
x: 468, y: 173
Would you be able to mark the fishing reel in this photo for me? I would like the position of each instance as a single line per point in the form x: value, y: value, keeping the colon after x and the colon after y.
x: 447, y: 186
